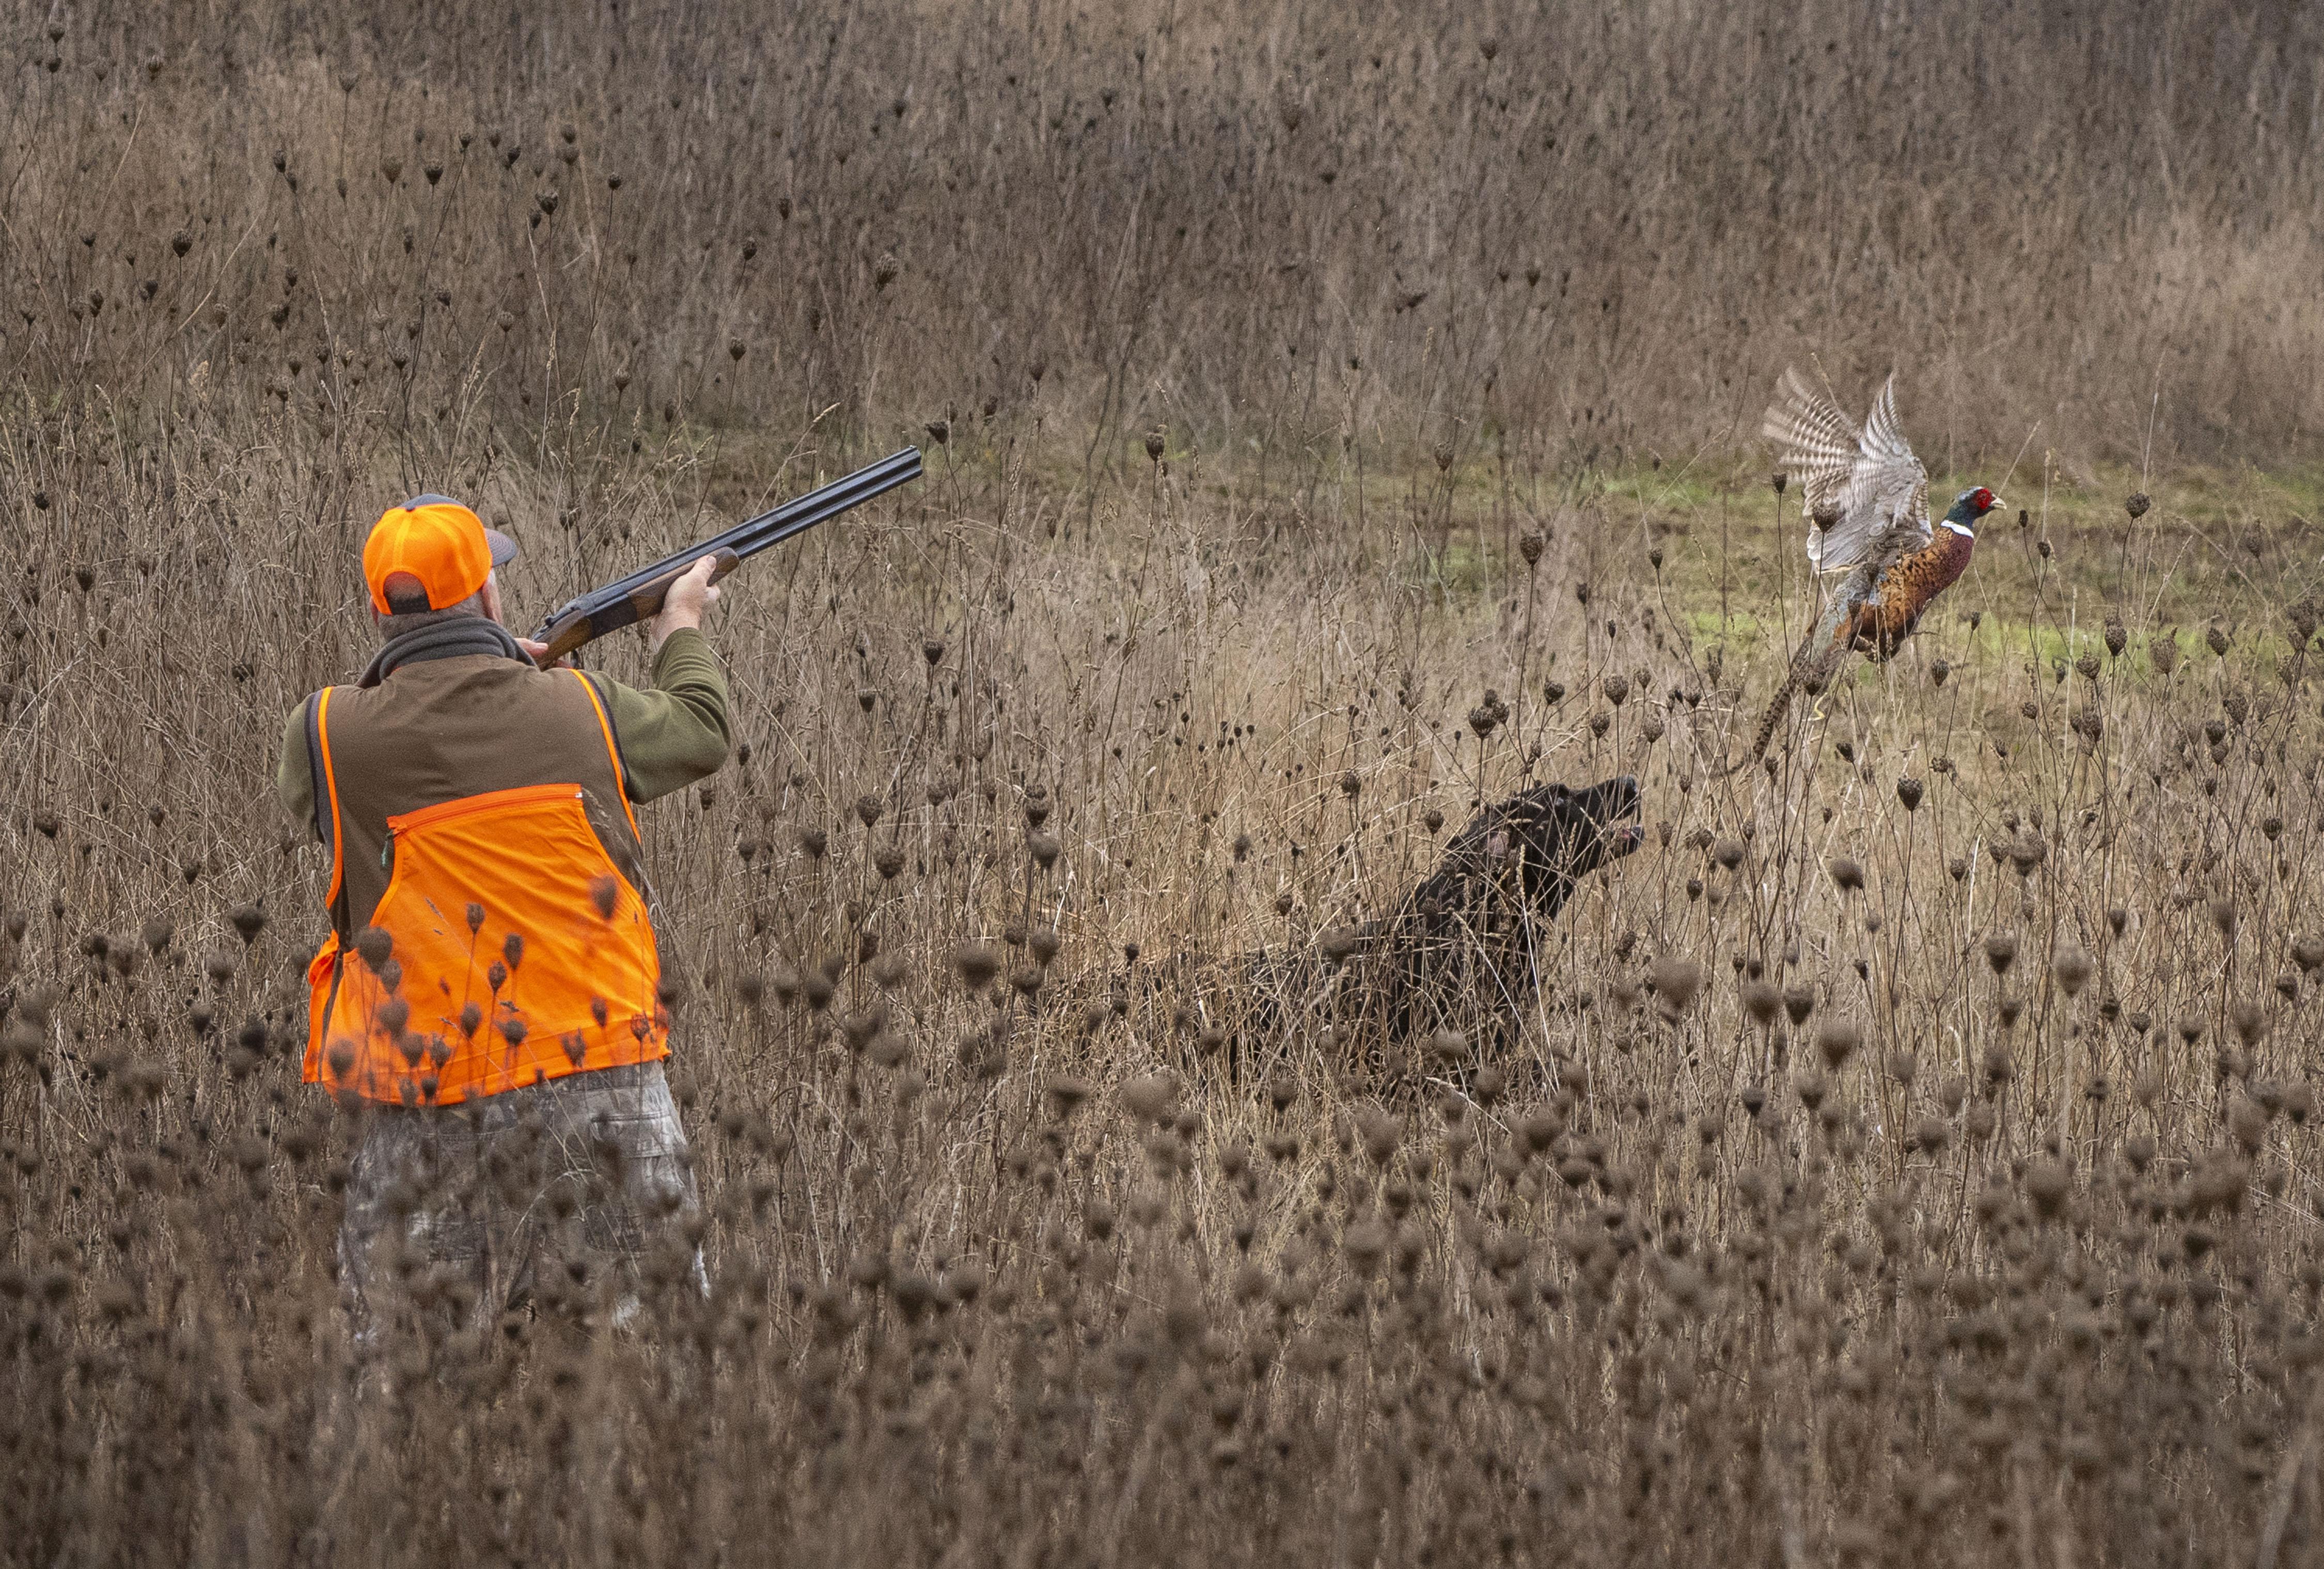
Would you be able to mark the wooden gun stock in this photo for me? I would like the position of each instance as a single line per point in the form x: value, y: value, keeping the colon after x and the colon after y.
x: 570, y: 632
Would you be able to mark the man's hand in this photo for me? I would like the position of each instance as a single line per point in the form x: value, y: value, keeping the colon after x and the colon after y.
x: 533, y: 650
x: 683, y: 605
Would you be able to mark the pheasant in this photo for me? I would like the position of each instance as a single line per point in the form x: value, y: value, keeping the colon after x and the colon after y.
x: 1866, y: 499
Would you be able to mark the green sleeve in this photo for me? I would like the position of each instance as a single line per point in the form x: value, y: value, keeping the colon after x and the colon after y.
x: 678, y: 732
x: 294, y: 775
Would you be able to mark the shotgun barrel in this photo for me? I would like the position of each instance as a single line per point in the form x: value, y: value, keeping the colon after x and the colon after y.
x: 627, y: 601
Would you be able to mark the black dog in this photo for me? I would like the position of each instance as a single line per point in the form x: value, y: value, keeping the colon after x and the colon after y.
x: 1461, y: 946
x: 1457, y: 951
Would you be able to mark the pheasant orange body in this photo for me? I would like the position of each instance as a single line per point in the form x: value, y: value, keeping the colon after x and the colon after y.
x: 1879, y: 625
x: 1866, y: 497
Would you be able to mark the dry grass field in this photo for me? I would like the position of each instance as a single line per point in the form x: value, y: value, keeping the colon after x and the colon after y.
x: 1910, y: 1156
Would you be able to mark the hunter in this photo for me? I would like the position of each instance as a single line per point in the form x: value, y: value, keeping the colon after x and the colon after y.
x: 490, y: 997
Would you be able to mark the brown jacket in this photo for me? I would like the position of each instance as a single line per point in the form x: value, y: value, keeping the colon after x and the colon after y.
x: 438, y: 729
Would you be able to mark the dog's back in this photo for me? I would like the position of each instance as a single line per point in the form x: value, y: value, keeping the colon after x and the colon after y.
x: 1456, y: 951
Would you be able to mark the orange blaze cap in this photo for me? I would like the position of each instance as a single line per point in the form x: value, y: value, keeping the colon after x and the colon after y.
x: 438, y: 543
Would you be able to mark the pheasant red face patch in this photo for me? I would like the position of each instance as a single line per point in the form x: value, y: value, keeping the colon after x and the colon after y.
x: 1982, y: 498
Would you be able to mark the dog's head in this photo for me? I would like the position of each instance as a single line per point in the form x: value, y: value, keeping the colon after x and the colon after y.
x: 1539, y: 842
x: 1576, y: 832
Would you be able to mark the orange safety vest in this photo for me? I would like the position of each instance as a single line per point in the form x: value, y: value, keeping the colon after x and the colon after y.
x: 508, y: 949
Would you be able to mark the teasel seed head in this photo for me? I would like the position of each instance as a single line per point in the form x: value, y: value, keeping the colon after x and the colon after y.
x: 2248, y: 1019
x: 1677, y: 982
x: 2298, y: 1101
x: 1489, y: 1085
x: 977, y: 963
x: 1066, y: 1092
x: 2302, y: 617
x: 1151, y: 1097
x: 1799, y: 1002
x: 604, y: 890
x: 2073, y: 966
x: 375, y: 946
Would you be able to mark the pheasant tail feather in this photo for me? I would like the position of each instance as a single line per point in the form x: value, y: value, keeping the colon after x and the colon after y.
x: 1814, y: 667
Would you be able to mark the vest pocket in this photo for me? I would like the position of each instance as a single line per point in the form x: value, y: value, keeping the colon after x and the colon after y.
x: 322, y: 983
x: 508, y: 949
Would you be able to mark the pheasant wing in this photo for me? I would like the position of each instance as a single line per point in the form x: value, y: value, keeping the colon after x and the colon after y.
x: 1819, y: 443
x: 1891, y: 489
x: 1862, y: 483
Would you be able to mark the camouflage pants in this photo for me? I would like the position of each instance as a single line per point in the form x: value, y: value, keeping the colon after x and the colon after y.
x: 568, y: 1197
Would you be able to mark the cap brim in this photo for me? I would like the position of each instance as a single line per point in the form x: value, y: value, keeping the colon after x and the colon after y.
x: 503, y: 548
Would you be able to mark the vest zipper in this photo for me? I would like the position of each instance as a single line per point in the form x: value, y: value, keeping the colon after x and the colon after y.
x: 491, y: 800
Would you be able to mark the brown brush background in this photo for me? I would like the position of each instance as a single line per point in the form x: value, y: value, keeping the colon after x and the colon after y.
x: 1909, y: 1155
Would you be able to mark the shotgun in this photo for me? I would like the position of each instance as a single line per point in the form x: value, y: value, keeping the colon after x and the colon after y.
x: 638, y: 597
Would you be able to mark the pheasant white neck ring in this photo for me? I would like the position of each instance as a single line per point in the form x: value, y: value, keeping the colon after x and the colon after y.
x: 1964, y: 529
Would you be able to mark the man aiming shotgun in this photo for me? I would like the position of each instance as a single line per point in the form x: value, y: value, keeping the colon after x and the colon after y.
x: 492, y: 988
